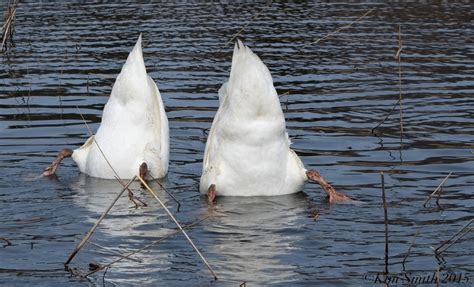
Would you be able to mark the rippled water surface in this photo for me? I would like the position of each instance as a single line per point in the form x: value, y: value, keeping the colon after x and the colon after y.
x: 334, y: 92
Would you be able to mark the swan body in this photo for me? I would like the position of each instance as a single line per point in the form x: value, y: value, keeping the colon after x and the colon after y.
x: 248, y: 150
x: 134, y: 127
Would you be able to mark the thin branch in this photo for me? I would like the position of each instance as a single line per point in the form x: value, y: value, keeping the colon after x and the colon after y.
x: 385, y: 220
x: 127, y: 256
x: 386, y: 117
x: 113, y: 252
x: 436, y: 190
x: 284, y: 94
x: 179, y: 226
x: 8, y: 242
x: 248, y: 23
x: 339, y: 29
x: 168, y: 192
x: 409, y: 249
x: 91, y: 231
x: 9, y: 26
x: 398, y: 56
x: 463, y: 231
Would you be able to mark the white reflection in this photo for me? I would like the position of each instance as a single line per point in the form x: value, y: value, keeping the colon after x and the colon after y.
x: 255, y: 236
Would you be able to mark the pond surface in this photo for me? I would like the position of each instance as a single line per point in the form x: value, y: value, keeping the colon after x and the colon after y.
x: 334, y: 92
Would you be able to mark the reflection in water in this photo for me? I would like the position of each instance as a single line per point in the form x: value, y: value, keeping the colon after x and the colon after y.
x: 96, y: 195
x: 68, y: 55
x: 253, y: 236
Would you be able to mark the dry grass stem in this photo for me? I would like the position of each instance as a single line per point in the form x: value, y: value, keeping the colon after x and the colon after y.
x: 385, y: 220
x: 400, y: 96
x: 8, y: 27
x: 437, y: 277
x: 246, y: 24
x: 437, y: 189
x: 398, y: 56
x: 7, y: 242
x: 453, y: 239
x: 169, y: 193
x: 284, y: 94
x: 386, y: 117
x: 115, y: 253
x: 339, y: 29
x: 409, y: 249
x: 91, y: 231
x: 178, y: 225
x: 127, y: 256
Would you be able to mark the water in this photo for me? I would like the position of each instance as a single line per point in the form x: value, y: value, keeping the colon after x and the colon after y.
x: 68, y: 55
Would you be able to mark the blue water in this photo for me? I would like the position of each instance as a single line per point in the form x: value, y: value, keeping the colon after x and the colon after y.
x: 335, y: 92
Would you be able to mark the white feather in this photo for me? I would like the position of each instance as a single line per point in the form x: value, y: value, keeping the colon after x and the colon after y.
x: 247, y: 152
x: 134, y: 127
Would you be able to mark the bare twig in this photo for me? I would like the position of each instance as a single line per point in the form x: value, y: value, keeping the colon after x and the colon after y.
x: 437, y: 277
x: 179, y: 226
x: 460, y: 234
x: 339, y: 29
x: 409, y: 249
x: 385, y: 220
x: 113, y: 252
x: 127, y: 256
x: 8, y: 242
x: 248, y: 23
x: 168, y: 192
x: 8, y: 27
x: 386, y: 117
x: 91, y: 231
x: 400, y: 97
x: 284, y: 94
x: 436, y: 190
x: 398, y: 56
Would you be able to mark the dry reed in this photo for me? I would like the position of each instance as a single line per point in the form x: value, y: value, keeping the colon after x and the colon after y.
x: 437, y: 189
x: 385, y: 213
x: 339, y: 29
x: 8, y: 28
x: 91, y: 231
x: 247, y: 23
x: 127, y: 256
x: 453, y: 239
x: 178, y: 225
x: 398, y: 56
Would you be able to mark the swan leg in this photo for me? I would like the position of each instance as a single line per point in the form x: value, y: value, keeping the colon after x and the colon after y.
x: 51, y: 169
x: 142, y: 172
x: 211, y: 194
x: 334, y: 196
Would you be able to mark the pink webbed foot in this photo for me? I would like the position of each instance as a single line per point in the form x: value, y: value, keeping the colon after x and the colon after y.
x: 51, y: 169
x: 142, y: 172
x: 334, y: 196
x: 211, y: 194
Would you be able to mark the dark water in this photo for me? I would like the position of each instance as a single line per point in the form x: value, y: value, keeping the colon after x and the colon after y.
x: 68, y: 55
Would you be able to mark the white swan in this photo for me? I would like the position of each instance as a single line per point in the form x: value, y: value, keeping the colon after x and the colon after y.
x: 134, y: 129
x: 248, y: 150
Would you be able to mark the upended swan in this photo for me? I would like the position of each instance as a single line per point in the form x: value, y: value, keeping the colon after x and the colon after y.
x: 133, y: 135
x: 248, y: 150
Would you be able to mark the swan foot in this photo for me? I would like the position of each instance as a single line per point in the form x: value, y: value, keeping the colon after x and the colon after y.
x: 142, y: 171
x: 334, y: 196
x: 211, y: 194
x: 51, y: 169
